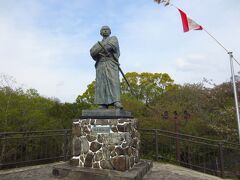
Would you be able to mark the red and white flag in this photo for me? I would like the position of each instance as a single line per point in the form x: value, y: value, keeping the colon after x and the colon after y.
x: 189, y: 24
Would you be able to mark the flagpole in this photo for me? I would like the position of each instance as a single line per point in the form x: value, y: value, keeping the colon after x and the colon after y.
x: 235, y: 92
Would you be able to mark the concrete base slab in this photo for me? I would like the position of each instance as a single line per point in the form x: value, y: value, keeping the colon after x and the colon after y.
x: 75, y: 173
x: 105, y: 113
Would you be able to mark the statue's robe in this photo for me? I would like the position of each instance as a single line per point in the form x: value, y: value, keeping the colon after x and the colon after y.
x: 107, y: 90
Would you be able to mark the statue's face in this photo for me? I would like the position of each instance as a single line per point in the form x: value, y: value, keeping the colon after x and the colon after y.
x: 105, y: 32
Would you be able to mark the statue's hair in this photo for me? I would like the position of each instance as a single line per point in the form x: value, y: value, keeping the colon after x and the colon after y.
x: 105, y: 27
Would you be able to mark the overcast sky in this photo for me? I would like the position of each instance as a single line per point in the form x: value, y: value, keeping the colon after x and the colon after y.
x: 44, y: 44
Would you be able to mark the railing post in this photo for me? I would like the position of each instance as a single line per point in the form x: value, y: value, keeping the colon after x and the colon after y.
x: 221, y: 159
x: 177, y: 136
x: 65, y: 145
x: 156, y: 144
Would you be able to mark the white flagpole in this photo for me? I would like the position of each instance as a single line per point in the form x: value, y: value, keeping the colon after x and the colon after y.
x: 235, y: 92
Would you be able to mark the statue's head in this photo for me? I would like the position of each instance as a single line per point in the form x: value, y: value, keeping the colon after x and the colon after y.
x: 105, y: 31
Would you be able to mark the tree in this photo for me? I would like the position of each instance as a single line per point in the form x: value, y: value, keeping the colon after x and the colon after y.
x: 7, y: 85
x: 212, y: 111
x: 222, y: 116
x: 64, y: 113
x: 147, y: 86
x: 188, y: 98
x: 86, y: 100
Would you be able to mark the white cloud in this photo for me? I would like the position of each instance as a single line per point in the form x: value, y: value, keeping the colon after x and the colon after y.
x: 192, y: 63
x: 41, y: 60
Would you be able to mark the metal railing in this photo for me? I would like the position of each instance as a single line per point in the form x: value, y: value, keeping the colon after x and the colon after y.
x: 214, y: 157
x: 218, y: 158
x: 28, y: 148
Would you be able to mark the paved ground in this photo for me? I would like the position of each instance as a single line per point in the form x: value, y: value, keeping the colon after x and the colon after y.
x: 41, y: 172
x: 159, y: 171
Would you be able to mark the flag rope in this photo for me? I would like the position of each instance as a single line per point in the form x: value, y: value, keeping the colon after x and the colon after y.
x: 236, y: 60
x: 216, y: 40
x: 220, y: 45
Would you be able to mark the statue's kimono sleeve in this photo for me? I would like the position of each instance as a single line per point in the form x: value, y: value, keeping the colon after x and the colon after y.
x: 95, y: 50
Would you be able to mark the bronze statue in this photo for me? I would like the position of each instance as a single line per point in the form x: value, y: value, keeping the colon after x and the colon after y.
x: 106, y: 54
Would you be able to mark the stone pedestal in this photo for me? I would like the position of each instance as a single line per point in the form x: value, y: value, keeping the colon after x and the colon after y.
x: 105, y: 139
x: 65, y: 172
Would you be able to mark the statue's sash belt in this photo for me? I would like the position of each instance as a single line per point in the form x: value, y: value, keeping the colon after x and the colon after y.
x: 105, y: 59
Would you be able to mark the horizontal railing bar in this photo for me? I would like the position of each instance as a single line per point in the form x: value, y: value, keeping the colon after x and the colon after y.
x: 27, y: 137
x: 165, y: 131
x: 188, y: 140
x: 190, y: 136
x: 197, y: 142
x: 31, y: 132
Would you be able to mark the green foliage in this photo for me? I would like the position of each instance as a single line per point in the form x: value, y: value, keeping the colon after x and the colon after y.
x: 147, y: 86
x: 27, y: 111
x: 212, y: 112
x: 64, y: 113
x: 86, y: 100
x: 221, y: 109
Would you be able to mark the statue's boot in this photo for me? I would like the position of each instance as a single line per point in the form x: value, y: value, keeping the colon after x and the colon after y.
x: 118, y: 105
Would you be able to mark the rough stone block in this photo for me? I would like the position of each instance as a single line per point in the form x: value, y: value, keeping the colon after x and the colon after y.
x: 105, y: 164
x: 86, y: 129
x: 120, y: 163
x: 119, y: 151
x: 76, y: 130
x: 98, y: 156
x: 88, y: 159
x: 74, y: 162
x: 124, y: 127
x: 95, y: 146
x: 85, y: 145
x: 91, y: 138
x: 96, y: 165
x: 76, y: 147
x: 114, y: 129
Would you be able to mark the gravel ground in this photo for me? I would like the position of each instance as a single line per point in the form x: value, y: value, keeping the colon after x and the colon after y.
x: 159, y: 171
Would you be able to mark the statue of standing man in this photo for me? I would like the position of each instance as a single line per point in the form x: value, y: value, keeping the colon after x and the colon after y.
x: 106, y: 54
